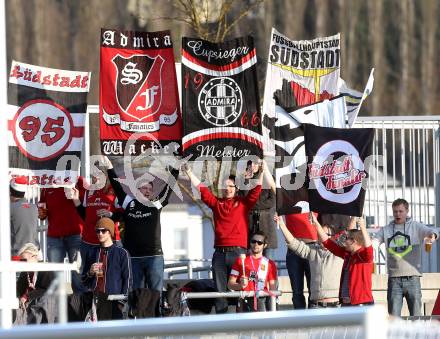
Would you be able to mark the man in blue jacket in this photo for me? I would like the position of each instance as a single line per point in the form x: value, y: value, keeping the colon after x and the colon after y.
x: 107, y: 268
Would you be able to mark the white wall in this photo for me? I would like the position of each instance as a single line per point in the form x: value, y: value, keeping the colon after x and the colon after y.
x: 182, y: 221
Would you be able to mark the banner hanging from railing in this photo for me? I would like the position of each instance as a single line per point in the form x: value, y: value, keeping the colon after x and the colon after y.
x: 220, y: 101
x: 46, y: 113
x: 337, y: 168
x: 138, y: 93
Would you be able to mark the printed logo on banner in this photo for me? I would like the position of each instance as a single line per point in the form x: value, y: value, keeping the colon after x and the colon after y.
x: 42, y: 129
x: 139, y: 93
x: 337, y: 168
x: 337, y: 180
x: 220, y: 101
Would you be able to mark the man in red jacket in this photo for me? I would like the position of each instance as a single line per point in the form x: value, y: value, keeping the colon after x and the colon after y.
x: 64, y: 226
x: 63, y: 233
x: 231, y: 227
x: 357, y: 252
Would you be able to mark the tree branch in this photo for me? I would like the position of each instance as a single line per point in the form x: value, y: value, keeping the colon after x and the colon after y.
x: 241, y: 16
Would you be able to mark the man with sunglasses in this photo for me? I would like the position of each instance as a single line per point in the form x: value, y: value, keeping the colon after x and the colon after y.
x: 260, y: 274
x: 325, y: 267
x: 231, y: 227
x: 357, y: 251
x: 107, y: 268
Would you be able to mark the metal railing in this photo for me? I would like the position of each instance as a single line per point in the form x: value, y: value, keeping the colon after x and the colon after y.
x: 407, y: 153
x: 188, y: 267
x: 365, y: 322
x: 236, y: 294
x: 58, y: 286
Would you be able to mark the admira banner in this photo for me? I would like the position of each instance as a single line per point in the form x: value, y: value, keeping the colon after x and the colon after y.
x: 337, y: 167
x: 220, y: 103
x: 138, y: 93
x: 46, y: 113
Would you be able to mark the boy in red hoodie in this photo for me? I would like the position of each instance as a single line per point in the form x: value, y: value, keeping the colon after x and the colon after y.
x: 357, y: 252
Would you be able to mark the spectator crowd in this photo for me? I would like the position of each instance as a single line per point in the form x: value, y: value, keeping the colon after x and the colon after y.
x: 335, y: 255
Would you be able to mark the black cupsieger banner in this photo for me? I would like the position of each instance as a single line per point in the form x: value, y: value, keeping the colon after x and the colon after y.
x: 337, y: 165
x: 220, y: 103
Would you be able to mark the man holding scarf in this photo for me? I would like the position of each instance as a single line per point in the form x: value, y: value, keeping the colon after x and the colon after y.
x: 255, y: 273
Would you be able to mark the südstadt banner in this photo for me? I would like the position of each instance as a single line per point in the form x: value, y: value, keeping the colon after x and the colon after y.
x: 299, y: 73
x: 337, y: 168
x: 138, y: 93
x: 46, y: 112
x: 220, y: 102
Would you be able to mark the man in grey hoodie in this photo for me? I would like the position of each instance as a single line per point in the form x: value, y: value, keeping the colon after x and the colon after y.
x: 403, y: 238
x: 23, y: 216
x: 325, y: 268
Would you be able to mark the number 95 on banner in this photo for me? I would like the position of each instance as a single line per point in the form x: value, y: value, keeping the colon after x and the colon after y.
x: 42, y: 129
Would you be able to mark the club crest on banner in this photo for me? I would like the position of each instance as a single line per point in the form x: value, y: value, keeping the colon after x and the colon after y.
x: 139, y: 97
x: 139, y: 84
x: 220, y: 101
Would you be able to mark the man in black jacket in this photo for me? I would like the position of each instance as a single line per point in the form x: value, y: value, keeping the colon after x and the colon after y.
x: 107, y: 268
x: 142, y: 235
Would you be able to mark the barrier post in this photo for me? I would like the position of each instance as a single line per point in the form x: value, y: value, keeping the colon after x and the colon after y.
x: 7, y: 281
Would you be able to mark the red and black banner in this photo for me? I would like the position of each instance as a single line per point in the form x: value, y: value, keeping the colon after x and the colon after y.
x: 337, y: 168
x: 220, y: 102
x: 46, y: 112
x: 138, y: 93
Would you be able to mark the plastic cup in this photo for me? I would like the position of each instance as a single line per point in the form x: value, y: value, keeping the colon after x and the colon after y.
x: 428, y: 246
x: 100, y: 272
x: 42, y: 210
